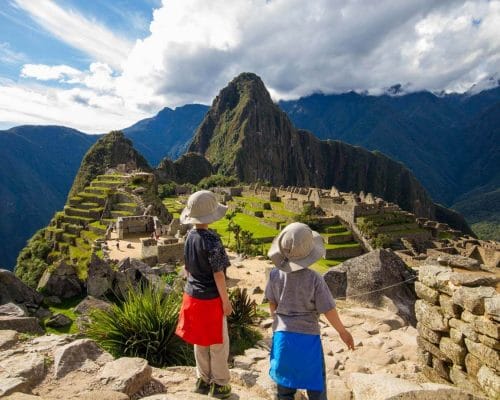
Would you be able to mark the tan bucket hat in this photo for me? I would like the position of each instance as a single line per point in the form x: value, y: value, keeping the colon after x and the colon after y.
x: 202, y: 208
x: 296, y: 247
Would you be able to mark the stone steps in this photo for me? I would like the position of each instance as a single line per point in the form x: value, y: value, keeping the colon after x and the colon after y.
x: 69, y: 238
x: 71, y: 228
x: 344, y: 252
x: 118, y: 213
x: 120, y: 178
x: 335, y: 229
x: 88, y: 205
x: 77, y: 220
x: 338, y: 238
x: 92, y: 198
x: 130, y: 207
x: 79, y: 212
x: 97, y: 190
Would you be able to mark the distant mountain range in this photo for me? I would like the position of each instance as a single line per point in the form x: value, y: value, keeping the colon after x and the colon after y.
x: 450, y: 143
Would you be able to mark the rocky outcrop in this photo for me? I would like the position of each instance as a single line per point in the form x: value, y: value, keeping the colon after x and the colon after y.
x: 75, y: 354
x: 379, y: 278
x: 386, y: 387
x: 189, y: 168
x: 100, y: 278
x: 458, y: 324
x: 245, y: 134
x: 13, y: 290
x: 62, y: 281
x: 126, y: 374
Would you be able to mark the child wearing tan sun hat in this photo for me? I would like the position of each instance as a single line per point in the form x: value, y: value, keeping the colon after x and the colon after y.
x: 297, y: 296
x: 205, y: 305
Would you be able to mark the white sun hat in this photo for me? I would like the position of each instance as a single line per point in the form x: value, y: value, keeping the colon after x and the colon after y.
x: 296, y: 247
x: 202, y: 208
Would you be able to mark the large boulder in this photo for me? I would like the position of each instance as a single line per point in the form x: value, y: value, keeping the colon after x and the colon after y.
x: 133, y: 273
x: 62, y: 282
x: 126, y: 374
x: 13, y: 310
x: 78, y: 353
x: 85, y: 307
x: 13, y: 290
x: 21, y: 324
x: 100, y: 278
x: 378, y: 279
x: 387, y: 387
x: 29, y: 367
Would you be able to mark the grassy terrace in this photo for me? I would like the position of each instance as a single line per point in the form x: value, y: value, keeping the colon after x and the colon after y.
x: 248, y: 223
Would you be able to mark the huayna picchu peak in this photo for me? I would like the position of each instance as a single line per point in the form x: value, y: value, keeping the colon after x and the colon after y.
x: 246, y: 135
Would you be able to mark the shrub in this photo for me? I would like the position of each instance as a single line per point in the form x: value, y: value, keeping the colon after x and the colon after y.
x: 167, y: 189
x: 143, y: 326
x: 217, y: 180
x: 310, y: 216
x: 242, y: 334
x: 381, y: 241
x: 32, y: 260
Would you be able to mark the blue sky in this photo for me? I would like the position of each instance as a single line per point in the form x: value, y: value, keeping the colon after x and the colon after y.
x: 104, y: 64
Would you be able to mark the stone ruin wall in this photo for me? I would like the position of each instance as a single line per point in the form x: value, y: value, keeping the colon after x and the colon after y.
x: 458, y: 314
x: 134, y: 224
x: 163, y: 251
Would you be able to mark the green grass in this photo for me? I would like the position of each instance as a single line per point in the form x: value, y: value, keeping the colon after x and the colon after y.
x: 248, y: 223
x: 341, y: 245
x: 97, y: 224
x: 66, y: 308
x: 323, y: 265
x: 90, y: 236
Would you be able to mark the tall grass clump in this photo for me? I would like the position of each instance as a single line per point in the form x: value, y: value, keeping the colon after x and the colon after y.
x: 242, y: 332
x: 143, y: 325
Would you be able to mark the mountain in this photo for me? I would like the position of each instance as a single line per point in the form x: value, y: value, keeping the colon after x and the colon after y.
x: 166, y: 134
x: 109, y: 151
x: 451, y: 142
x: 38, y: 165
x: 245, y: 134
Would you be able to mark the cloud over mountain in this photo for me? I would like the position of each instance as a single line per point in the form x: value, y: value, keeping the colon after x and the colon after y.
x: 194, y: 47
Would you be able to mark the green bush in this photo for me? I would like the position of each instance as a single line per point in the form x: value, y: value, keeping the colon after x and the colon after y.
x: 310, y: 216
x: 143, y: 326
x: 217, y: 181
x: 381, y: 241
x: 32, y: 260
x: 242, y: 334
x: 167, y: 189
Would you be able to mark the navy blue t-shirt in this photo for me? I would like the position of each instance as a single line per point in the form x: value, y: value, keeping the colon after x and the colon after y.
x: 204, y: 254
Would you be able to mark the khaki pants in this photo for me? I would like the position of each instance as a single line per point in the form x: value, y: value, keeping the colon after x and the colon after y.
x: 211, y: 361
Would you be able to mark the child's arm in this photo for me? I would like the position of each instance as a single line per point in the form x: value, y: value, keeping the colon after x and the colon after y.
x: 333, y: 318
x: 220, y: 282
x: 272, y: 308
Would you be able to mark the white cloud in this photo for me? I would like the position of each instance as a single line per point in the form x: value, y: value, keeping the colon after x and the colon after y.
x: 77, y: 108
x: 298, y: 47
x: 78, y: 31
x: 43, y: 72
x: 10, y: 56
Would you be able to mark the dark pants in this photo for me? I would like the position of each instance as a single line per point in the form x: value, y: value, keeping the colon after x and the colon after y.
x: 285, y: 393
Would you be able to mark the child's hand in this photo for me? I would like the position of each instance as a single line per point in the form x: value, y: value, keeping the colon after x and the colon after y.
x: 227, y: 308
x: 347, y: 339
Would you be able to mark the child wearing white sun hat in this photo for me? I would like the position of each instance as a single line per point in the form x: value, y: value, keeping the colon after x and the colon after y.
x: 297, y: 296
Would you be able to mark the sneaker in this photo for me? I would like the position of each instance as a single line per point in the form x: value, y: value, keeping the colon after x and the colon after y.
x: 201, y: 387
x: 220, y: 391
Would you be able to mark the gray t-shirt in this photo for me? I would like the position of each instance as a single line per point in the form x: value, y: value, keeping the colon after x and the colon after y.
x: 300, y: 297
